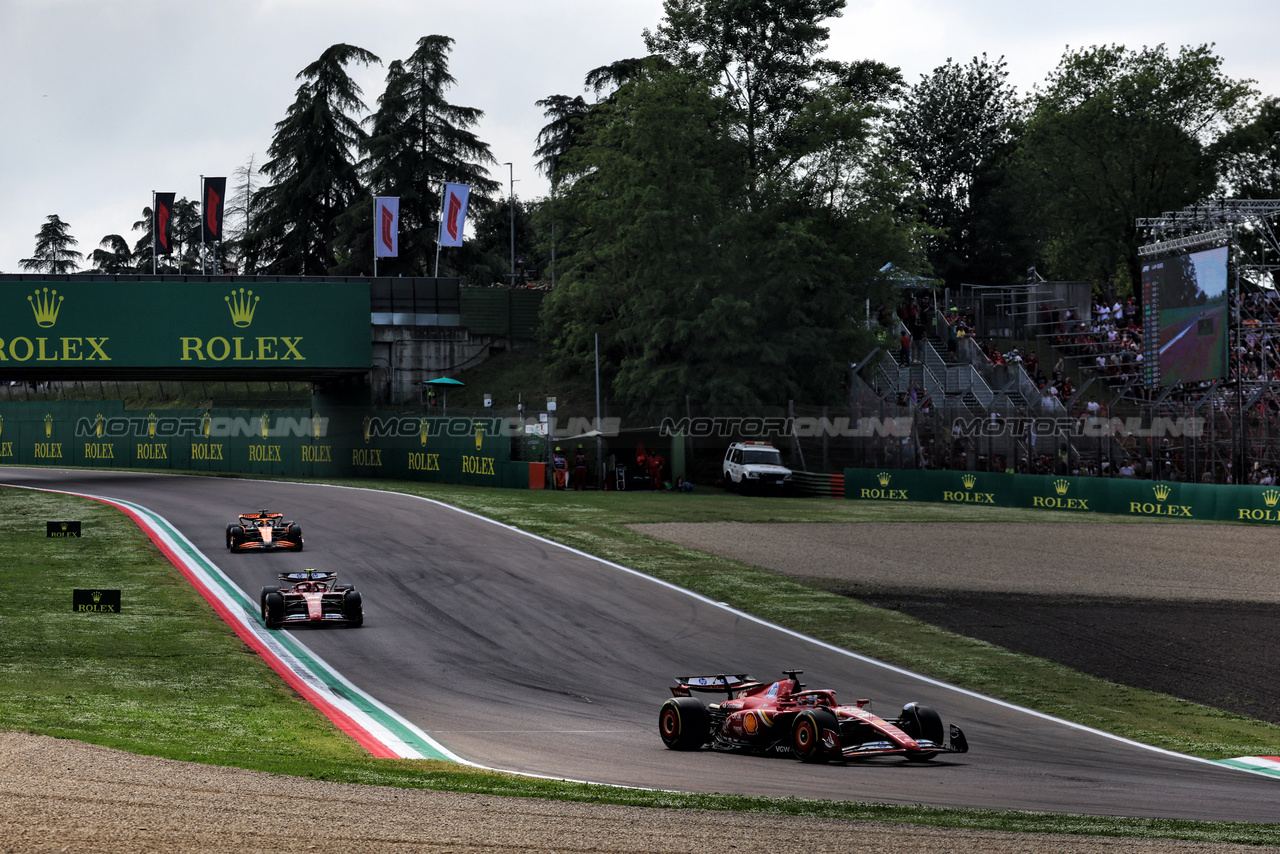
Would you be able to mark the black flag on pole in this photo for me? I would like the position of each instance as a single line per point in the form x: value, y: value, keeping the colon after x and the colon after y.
x: 162, y: 223
x: 215, y: 190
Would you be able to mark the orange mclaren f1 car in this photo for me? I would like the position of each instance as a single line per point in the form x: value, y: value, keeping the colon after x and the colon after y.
x: 263, y: 531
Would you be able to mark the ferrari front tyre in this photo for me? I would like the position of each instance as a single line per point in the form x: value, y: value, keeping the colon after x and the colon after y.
x: 262, y: 597
x: 684, y: 723
x: 810, y: 733
x: 353, y: 608
x: 273, y: 609
x: 922, y: 722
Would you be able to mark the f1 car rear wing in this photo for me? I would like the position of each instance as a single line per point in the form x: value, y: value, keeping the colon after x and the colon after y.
x: 308, y: 575
x: 727, y: 683
x: 262, y: 514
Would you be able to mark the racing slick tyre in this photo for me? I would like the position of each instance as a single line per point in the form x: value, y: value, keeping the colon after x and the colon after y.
x: 806, y: 736
x: 353, y: 608
x: 262, y: 598
x: 295, y: 535
x: 235, y: 536
x: 684, y: 723
x: 273, y: 609
x: 921, y: 722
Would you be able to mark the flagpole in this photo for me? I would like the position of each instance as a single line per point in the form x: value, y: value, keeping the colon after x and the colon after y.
x: 153, y: 232
x: 375, y: 236
x: 203, y: 201
x: 444, y: 192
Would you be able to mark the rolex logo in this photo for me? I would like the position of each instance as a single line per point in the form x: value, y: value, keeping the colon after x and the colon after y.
x: 968, y: 480
x: 1061, y: 486
x: 206, y: 423
x: 266, y: 422
x: 64, y: 526
x: 367, y: 421
x: 241, y: 304
x: 48, y: 426
x: 97, y: 596
x: 1271, y: 496
x: 883, y: 477
x: 151, y: 426
x: 1162, y: 491
x: 479, y: 435
x: 99, y: 425
x: 422, y: 431
x: 45, y: 304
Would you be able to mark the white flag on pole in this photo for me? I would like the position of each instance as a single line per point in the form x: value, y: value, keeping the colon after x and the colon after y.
x: 386, y: 226
x: 454, y: 214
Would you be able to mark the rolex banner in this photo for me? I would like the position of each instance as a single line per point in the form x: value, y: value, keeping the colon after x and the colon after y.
x: 214, y: 195
x: 386, y: 226
x: 454, y: 214
x: 81, y: 326
x: 162, y: 223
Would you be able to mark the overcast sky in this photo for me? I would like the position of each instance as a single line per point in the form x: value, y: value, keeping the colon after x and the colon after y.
x: 104, y: 101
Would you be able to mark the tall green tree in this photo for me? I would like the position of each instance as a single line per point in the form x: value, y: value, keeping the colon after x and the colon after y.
x: 1249, y: 155
x: 562, y: 131
x: 695, y: 285
x: 764, y: 59
x: 313, y: 167
x: 54, y: 254
x: 417, y: 141
x: 1114, y: 135
x: 113, y: 255
x: 956, y: 131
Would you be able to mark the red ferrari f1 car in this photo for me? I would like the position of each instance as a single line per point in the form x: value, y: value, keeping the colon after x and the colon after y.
x: 263, y: 531
x: 311, y: 596
x: 781, y: 718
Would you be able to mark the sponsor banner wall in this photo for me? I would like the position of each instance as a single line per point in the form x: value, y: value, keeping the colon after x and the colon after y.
x: 1145, y: 498
x: 342, y: 442
x: 77, y: 325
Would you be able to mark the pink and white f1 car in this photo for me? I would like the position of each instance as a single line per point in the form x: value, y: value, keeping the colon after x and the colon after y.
x: 310, y: 596
x: 781, y: 718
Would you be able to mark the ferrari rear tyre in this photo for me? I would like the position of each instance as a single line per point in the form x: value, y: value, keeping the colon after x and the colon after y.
x: 353, y: 608
x: 922, y: 722
x: 807, y: 729
x: 684, y: 723
x: 273, y: 609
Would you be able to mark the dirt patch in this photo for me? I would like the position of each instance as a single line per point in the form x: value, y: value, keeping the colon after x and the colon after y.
x: 70, y: 796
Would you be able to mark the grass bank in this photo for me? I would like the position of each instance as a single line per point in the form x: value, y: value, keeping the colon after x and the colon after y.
x: 166, y: 677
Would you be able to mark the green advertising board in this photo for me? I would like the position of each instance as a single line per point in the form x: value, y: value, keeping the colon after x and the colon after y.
x: 1142, y: 498
x: 185, y: 325
x: 341, y: 442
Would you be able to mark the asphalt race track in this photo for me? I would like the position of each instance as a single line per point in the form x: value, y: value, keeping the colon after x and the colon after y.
x: 519, y: 655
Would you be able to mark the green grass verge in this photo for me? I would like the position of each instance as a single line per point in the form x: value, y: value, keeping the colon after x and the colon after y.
x: 167, y: 677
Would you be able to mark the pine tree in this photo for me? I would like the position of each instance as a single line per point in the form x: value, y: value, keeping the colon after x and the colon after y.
x: 53, y: 254
x: 418, y: 140
x: 313, y: 166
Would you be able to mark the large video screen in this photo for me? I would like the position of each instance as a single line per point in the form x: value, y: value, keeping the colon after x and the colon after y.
x: 1184, y: 318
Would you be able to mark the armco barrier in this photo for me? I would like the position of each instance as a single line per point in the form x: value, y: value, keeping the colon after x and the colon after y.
x: 1153, y: 499
x: 343, y: 442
